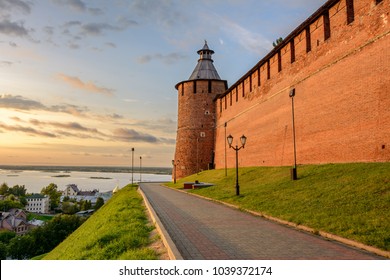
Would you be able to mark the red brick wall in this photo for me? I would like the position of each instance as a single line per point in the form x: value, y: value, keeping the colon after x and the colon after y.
x: 342, y: 102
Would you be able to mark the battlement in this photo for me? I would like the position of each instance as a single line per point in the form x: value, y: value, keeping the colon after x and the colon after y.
x: 338, y: 62
x: 336, y: 28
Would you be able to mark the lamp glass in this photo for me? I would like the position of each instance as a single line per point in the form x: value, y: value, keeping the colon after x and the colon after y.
x: 230, y: 139
x: 243, y: 140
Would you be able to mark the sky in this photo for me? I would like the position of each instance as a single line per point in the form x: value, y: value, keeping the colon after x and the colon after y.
x: 82, y: 82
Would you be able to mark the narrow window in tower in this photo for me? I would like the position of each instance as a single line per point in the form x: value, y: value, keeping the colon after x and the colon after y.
x: 292, y: 50
x: 279, y: 61
x: 308, y: 39
x: 236, y: 94
x: 350, y: 12
x: 202, y: 134
x: 243, y: 89
x: 250, y: 83
x: 258, y: 76
x: 225, y: 102
x: 326, y: 25
x: 209, y: 86
x: 194, y: 86
x: 220, y: 105
x: 231, y: 98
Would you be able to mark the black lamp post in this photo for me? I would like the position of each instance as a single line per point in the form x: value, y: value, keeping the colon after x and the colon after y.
x: 230, y: 141
x: 294, y: 169
x: 174, y: 171
x: 225, y: 153
x: 132, y: 166
x: 140, y: 169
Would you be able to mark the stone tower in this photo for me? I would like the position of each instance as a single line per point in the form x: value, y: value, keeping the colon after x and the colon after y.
x: 196, y: 116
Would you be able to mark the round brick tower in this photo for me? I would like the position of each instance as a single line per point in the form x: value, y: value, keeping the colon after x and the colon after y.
x: 196, y: 117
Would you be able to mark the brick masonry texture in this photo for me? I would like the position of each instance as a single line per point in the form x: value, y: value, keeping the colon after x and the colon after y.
x: 196, y: 125
x: 342, y: 104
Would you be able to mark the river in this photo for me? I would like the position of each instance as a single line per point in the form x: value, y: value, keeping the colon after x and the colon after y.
x: 90, y: 178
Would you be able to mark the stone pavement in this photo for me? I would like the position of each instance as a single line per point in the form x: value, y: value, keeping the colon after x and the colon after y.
x: 205, y: 230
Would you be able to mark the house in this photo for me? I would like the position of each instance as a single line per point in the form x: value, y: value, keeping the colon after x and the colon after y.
x: 14, y: 220
x: 38, y: 203
x: 71, y: 190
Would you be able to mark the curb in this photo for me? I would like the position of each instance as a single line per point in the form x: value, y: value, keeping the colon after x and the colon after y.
x: 173, y: 252
x: 324, y: 234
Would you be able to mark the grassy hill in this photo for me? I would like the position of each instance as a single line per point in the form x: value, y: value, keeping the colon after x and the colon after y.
x: 118, y: 230
x: 349, y: 200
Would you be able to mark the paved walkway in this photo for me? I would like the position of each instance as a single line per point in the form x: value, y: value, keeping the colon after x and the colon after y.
x: 203, y: 230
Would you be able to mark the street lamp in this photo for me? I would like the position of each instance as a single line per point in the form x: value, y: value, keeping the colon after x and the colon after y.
x: 230, y: 141
x: 225, y: 152
x: 140, y: 169
x: 132, y: 166
x: 294, y: 169
x: 174, y: 171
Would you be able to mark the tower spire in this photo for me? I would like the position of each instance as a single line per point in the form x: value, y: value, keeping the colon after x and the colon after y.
x: 205, y: 68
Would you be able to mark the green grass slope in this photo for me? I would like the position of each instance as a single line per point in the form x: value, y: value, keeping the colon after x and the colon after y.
x: 349, y: 200
x: 118, y: 230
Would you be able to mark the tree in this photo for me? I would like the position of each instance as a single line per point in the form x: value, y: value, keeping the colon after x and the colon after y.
x: 69, y: 208
x: 52, y: 191
x: 85, y: 205
x: 3, y: 251
x: 41, y: 239
x: 99, y: 203
x: 277, y: 42
x: 5, y: 205
x: 6, y: 236
x: 18, y: 190
x: 4, y: 189
x: 21, y: 247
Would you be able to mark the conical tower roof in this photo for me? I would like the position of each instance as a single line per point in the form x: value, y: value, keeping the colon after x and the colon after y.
x: 205, y: 68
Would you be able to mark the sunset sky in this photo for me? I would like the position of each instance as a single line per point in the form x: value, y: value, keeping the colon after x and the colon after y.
x: 82, y: 82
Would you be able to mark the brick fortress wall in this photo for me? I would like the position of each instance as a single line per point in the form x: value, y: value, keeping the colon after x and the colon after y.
x: 338, y: 61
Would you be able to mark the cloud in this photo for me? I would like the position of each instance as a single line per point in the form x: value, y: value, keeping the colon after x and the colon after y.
x: 17, y: 102
x: 252, y: 41
x: 164, y: 124
x: 115, y: 116
x: 75, y: 126
x: 97, y: 28
x: 95, y: 11
x: 110, y: 44
x: 166, y: 59
x: 15, y: 5
x: 86, y: 86
x: 17, y: 29
x: 166, y: 14
x: 4, y: 63
x: 130, y: 135
x: 27, y: 130
x: 74, y: 129
x: 76, y: 5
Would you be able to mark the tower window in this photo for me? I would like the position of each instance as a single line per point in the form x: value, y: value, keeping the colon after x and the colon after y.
x: 202, y: 134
